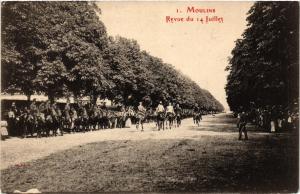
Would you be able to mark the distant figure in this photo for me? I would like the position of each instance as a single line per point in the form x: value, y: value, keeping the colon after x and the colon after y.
x: 170, y: 109
x: 160, y: 108
x: 141, y: 112
x: 11, y: 122
x: 160, y: 116
x: 242, y: 122
x: 170, y: 114
x: 33, y: 108
x: 178, y: 112
x: 196, y: 110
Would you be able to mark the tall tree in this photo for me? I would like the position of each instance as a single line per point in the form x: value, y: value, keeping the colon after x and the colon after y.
x: 264, y: 64
x: 54, y: 43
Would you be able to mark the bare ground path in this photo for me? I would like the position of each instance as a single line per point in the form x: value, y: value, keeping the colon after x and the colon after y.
x: 189, y: 158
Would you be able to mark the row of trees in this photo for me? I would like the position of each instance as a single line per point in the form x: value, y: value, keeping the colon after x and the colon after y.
x: 62, y: 49
x: 264, y: 65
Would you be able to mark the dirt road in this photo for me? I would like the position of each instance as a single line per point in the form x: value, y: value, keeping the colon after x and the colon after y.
x: 189, y: 158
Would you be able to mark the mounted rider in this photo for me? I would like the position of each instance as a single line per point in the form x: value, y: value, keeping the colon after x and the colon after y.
x: 160, y: 108
x: 141, y: 110
x: 141, y: 113
x: 178, y: 110
x: 196, y: 108
x: 74, y: 118
x: 11, y: 121
x: 178, y: 114
x: 67, y: 110
x: 196, y: 113
x: 15, y: 109
x: 41, y: 111
x: 33, y: 108
x: 170, y: 110
x: 58, y: 113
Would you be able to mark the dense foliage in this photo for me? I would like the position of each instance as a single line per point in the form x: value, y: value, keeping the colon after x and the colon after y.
x: 62, y: 49
x: 264, y: 65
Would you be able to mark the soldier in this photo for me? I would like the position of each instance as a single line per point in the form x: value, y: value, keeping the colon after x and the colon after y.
x: 195, y: 112
x: 41, y: 111
x: 14, y: 109
x: 160, y: 108
x: 74, y: 119
x: 11, y: 120
x: 33, y: 108
x: 170, y: 109
x: 141, y: 112
x: 160, y: 116
x: 178, y: 113
x: 59, y: 118
x: 242, y: 122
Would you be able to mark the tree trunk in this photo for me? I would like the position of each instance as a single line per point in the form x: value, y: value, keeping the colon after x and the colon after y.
x: 28, y: 97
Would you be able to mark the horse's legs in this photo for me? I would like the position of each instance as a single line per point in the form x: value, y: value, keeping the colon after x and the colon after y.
x: 47, y: 130
x: 54, y: 128
x: 32, y: 129
x: 137, y: 124
x: 61, y: 127
x: 38, y: 130
x: 142, y: 125
x: 25, y: 129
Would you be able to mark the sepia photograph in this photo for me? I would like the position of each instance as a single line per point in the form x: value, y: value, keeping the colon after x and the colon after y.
x: 149, y: 96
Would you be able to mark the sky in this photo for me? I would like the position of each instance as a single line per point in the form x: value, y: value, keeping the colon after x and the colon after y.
x: 199, y: 50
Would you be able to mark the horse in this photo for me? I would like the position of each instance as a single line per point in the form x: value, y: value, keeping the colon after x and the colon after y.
x: 56, y: 121
x: 112, y: 119
x: 121, y: 118
x: 30, y: 126
x: 83, y: 119
x: 177, y: 120
x: 140, y: 118
x: 40, y: 124
x: 49, y: 124
x: 66, y: 121
x: 102, y: 119
x: 24, y: 122
x: 170, y: 119
x: 160, y: 120
x: 198, y: 118
x: 93, y: 117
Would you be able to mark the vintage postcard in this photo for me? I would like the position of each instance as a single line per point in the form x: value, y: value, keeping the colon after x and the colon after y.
x: 149, y: 96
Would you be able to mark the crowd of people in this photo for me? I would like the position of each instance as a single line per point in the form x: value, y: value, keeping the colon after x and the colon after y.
x: 46, y: 118
x: 269, y: 118
x: 275, y: 118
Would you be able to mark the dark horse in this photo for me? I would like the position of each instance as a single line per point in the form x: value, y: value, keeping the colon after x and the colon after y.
x: 160, y: 120
x: 177, y: 120
x: 170, y: 119
x: 197, y: 118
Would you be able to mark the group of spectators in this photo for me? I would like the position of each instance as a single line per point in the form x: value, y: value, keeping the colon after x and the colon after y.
x: 275, y: 118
